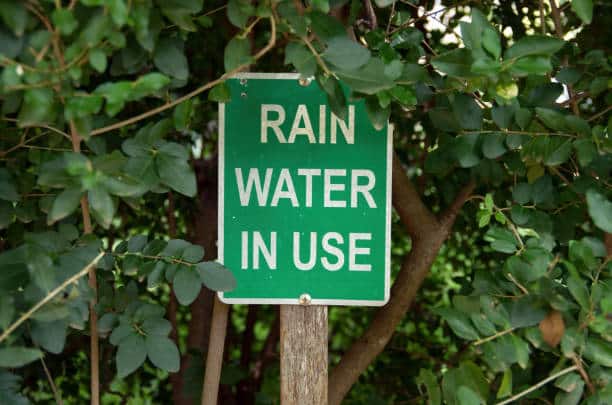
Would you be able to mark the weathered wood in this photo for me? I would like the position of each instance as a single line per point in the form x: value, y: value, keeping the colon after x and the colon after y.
x: 303, y: 348
x: 214, y: 360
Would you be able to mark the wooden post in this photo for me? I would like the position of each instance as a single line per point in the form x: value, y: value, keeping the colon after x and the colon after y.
x: 214, y: 359
x: 303, y: 350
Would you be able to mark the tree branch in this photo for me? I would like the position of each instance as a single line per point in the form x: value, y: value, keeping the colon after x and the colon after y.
x: 427, y: 235
x: 415, y: 216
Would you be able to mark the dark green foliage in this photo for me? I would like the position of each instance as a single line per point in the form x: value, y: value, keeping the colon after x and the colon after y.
x: 528, y: 250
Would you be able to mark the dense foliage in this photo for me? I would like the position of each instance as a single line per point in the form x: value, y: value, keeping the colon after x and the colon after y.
x: 108, y: 166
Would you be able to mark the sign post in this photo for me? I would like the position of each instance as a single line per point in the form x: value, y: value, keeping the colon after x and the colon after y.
x: 304, y: 214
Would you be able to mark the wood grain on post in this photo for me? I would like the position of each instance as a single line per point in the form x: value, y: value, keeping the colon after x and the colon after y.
x: 214, y: 359
x: 303, y: 349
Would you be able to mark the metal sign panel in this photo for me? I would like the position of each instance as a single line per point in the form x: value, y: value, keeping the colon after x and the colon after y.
x: 304, y: 196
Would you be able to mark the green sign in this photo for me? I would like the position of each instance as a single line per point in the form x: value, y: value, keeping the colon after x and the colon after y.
x: 304, y: 196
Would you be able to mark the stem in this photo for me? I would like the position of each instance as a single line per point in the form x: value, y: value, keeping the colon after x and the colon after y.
x: 56, y: 394
x: 317, y: 56
x: 94, y: 356
x: 519, y: 285
x: 583, y: 374
x: 493, y: 337
x: 599, y: 114
x: 538, y: 385
x: 48, y: 298
x: 197, y: 91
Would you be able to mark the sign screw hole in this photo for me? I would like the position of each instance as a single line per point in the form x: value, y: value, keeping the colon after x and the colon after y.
x: 305, y: 299
x: 243, y: 95
x: 305, y: 81
x: 243, y: 81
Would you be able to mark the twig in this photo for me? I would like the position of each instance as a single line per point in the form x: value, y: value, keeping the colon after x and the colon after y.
x: 583, y: 374
x: 542, y: 18
x: 599, y: 114
x: 516, y: 283
x: 56, y: 394
x: 194, y: 93
x: 538, y: 385
x: 48, y: 298
x: 493, y: 337
x: 317, y: 56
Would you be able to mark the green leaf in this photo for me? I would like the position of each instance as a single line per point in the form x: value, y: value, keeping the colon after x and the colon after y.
x: 464, y: 149
x: 51, y: 336
x: 216, y: 277
x: 526, y: 311
x: 600, y: 210
x: 491, y: 43
x: 301, y: 58
x: 176, y: 173
x: 459, y: 323
x: 579, y: 291
x: 368, y: 79
x: 181, y: 17
x: 466, y: 396
x: 38, y: 107
x: 558, y: 151
x: 64, y: 204
x: 157, y: 326
x: 598, y: 351
x: 335, y: 95
x: 163, y: 353
x: 81, y: 105
x: 14, y: 357
x: 130, y: 354
x: 118, y: 11
x: 237, y: 53
x: 14, y: 15
x: 7, y: 309
x: 97, y: 59
x: 96, y: 28
x: 116, y: 94
x: 8, y: 191
x: 137, y: 243
x: 456, y: 63
x: 186, y: 285
x: 148, y: 84
x: 345, y: 53
x: 378, y: 115
x: 193, y: 253
x: 239, y: 11
x: 583, y: 9
x: 429, y: 380
x: 534, y: 64
x: 551, y: 118
x: 170, y: 58
x: 64, y: 20
x: 467, y: 111
x: 220, y: 93
x: 102, y: 206
x: 505, y: 387
x: 534, y: 45
x: 182, y: 115
x: 493, y: 145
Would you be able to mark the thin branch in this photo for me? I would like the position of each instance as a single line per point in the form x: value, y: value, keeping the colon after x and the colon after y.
x: 542, y: 18
x: 197, y: 91
x: 538, y: 385
x: 599, y: 114
x: 56, y: 394
x: 583, y: 374
x: 48, y: 298
x: 317, y: 56
x: 493, y: 337
x: 516, y: 283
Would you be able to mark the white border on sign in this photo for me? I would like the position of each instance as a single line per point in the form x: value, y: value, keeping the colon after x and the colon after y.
x: 221, y: 202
